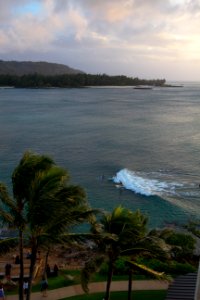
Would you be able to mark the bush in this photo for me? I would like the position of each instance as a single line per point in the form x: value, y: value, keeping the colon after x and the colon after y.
x: 173, y: 268
x: 184, y: 244
x: 121, y: 268
x: 104, y: 269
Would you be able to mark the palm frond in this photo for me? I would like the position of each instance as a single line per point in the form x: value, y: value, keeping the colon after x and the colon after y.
x: 7, y: 245
x: 150, y: 246
x: 5, y: 198
x: 6, y: 217
x: 90, y: 268
x: 84, y: 237
x: 73, y: 194
x: 158, y: 275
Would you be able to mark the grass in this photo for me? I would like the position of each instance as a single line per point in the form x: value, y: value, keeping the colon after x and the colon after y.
x: 64, y: 279
x: 137, y: 295
x: 72, y: 277
x: 61, y: 280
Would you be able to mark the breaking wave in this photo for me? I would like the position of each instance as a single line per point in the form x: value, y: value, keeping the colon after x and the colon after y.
x: 140, y: 184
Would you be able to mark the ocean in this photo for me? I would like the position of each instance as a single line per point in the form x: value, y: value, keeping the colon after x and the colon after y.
x: 137, y: 148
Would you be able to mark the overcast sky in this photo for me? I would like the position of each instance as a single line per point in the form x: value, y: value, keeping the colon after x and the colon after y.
x: 138, y: 38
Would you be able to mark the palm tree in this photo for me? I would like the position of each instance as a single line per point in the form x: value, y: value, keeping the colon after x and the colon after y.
x: 116, y: 232
x: 13, y: 209
x: 151, y: 245
x: 44, y: 205
x: 120, y: 233
x: 11, y: 217
x: 54, y: 207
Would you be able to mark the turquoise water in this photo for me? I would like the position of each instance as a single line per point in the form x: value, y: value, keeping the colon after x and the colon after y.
x: 152, y: 136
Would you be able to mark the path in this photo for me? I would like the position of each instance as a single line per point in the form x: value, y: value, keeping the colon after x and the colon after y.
x: 97, y: 287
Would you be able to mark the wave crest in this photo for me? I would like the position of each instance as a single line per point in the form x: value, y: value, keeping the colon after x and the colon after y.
x: 142, y: 185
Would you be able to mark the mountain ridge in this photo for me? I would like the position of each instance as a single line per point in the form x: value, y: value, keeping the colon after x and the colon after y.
x: 20, y: 68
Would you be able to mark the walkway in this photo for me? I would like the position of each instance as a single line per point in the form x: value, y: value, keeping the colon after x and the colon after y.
x: 97, y: 287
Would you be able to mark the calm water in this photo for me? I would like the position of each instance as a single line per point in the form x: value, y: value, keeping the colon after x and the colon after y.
x: 152, y: 136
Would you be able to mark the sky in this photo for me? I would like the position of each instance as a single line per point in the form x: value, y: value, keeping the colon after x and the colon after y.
x: 138, y: 38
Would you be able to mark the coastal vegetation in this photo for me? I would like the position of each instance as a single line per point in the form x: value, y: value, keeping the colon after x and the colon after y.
x: 122, y: 233
x: 28, y: 74
x: 44, y: 208
x: 73, y: 80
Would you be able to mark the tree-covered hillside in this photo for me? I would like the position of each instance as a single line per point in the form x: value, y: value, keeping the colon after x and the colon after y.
x: 74, y: 80
x: 20, y: 68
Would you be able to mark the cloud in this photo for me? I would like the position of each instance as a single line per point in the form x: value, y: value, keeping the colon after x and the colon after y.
x: 103, y: 35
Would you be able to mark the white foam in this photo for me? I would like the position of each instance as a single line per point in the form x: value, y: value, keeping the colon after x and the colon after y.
x: 144, y: 186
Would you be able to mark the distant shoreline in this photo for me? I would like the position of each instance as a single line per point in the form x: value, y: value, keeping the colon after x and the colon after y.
x: 94, y: 86
x: 74, y: 80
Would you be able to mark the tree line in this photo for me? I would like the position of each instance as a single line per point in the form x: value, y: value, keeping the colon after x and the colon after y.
x: 44, y: 207
x: 74, y: 80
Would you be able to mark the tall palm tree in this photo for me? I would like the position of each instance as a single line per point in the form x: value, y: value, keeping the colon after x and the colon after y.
x: 116, y: 232
x: 54, y: 207
x: 44, y: 205
x: 120, y: 233
x: 151, y: 245
x: 12, y: 217
x: 13, y: 210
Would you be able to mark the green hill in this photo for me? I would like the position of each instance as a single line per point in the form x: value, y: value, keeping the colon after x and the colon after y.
x: 28, y: 67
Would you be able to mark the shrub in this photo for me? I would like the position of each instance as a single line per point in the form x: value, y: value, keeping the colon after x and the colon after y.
x: 173, y: 267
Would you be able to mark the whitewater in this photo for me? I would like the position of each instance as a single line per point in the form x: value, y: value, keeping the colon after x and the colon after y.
x: 181, y: 192
x: 144, y: 186
x: 148, y: 142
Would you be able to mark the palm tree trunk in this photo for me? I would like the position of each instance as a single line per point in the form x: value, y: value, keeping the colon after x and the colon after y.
x: 46, y: 261
x: 129, y: 283
x: 21, y: 276
x: 109, y: 280
x: 34, y: 249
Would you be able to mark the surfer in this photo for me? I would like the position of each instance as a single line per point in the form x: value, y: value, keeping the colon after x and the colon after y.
x: 102, y: 177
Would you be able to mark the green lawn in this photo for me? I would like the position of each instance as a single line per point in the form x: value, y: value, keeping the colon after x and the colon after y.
x: 67, y: 278
x: 137, y: 295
